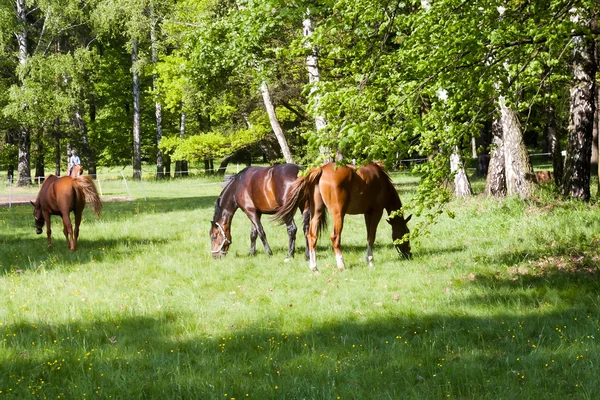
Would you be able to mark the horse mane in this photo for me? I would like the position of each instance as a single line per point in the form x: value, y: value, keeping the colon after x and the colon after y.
x: 47, y: 181
x: 228, y: 185
x: 391, y: 188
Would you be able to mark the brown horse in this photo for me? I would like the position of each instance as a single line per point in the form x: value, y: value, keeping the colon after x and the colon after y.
x: 60, y: 196
x: 257, y: 191
x: 345, y: 190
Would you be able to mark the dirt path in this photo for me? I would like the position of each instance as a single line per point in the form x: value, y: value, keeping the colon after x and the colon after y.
x: 16, y: 199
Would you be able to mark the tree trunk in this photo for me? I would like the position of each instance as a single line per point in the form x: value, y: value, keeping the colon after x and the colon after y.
x: 554, y: 143
x: 519, y: 173
x: 181, y: 166
x: 39, y: 158
x: 88, y: 159
x: 160, y: 169
x: 462, y: 186
x: 10, y: 168
x: 312, y: 64
x: 576, y: 180
x: 594, y: 159
x: 137, y: 148
x: 275, y: 125
x: 24, y: 165
x: 167, y: 161
x: 57, y: 160
x: 495, y: 184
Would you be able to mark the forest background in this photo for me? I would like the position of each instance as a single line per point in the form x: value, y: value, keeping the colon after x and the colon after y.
x: 167, y: 82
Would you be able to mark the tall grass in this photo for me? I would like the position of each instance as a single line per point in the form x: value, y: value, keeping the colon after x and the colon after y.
x: 500, y: 302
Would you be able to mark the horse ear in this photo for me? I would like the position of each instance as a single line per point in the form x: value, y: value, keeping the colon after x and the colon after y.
x: 408, y: 218
x: 32, y: 203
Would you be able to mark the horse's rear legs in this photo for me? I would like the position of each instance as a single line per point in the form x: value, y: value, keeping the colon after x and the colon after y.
x: 291, y: 229
x: 336, y: 240
x: 68, y: 231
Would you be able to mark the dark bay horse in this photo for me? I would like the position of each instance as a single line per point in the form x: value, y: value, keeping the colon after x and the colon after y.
x: 345, y: 190
x: 60, y: 196
x: 257, y: 191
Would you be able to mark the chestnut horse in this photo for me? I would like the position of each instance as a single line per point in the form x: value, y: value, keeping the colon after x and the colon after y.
x: 345, y: 190
x: 60, y: 196
x: 257, y: 191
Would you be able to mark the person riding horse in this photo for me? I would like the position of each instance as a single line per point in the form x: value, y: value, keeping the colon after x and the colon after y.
x: 73, y: 160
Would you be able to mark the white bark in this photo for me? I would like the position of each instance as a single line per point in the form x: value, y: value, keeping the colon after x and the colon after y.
x: 24, y: 166
x: 462, y: 186
x: 160, y: 170
x: 519, y: 172
x: 137, y: 153
x: 285, y: 149
x: 312, y: 64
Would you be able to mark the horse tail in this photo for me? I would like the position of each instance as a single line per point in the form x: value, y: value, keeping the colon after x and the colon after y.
x: 299, y: 193
x: 85, y: 184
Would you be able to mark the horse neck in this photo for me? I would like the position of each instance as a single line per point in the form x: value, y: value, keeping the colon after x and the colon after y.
x: 228, y: 205
x: 394, y: 202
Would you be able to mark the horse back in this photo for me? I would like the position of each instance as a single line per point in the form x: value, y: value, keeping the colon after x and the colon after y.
x: 57, y: 195
x: 265, y: 188
x: 357, y: 190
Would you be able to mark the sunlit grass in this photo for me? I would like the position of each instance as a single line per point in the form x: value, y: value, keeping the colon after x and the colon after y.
x: 500, y: 302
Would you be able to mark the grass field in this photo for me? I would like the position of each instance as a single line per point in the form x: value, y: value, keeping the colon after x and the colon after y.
x: 501, y: 302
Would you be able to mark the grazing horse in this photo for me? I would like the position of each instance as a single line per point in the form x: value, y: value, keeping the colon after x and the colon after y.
x: 60, y: 196
x: 345, y: 190
x: 257, y: 191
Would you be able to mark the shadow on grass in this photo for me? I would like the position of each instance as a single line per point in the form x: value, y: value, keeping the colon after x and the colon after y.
x: 31, y: 253
x: 404, y: 356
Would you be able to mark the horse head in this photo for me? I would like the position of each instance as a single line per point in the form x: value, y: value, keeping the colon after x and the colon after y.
x: 220, y: 239
x: 76, y: 171
x: 399, y: 230
x: 39, y: 218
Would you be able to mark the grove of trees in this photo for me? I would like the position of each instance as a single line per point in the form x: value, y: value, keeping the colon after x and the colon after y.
x: 178, y: 81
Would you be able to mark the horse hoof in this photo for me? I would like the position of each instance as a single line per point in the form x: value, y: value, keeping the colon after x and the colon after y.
x: 340, y: 269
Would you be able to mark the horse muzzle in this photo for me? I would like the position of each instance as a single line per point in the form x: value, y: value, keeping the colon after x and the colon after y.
x: 219, y: 254
x: 404, y: 252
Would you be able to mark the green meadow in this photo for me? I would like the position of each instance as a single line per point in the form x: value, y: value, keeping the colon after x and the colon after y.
x: 500, y: 302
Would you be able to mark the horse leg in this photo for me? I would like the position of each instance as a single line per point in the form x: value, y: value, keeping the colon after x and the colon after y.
x: 371, y: 222
x: 48, y: 229
x: 255, y: 219
x: 336, y: 238
x: 312, y: 234
x: 305, y: 225
x: 291, y: 230
x: 68, y: 230
x: 253, y: 236
x: 78, y: 214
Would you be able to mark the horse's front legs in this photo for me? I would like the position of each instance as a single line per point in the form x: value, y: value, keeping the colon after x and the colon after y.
x: 253, y: 236
x: 257, y: 229
x: 371, y: 221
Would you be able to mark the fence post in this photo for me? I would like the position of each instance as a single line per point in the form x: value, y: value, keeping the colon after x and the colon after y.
x: 10, y: 191
x: 126, y: 185
x: 99, y: 186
